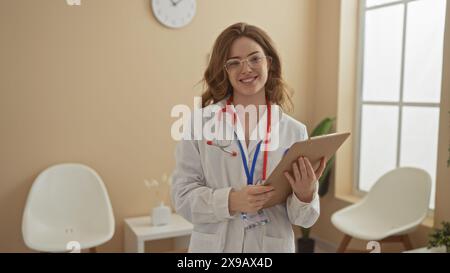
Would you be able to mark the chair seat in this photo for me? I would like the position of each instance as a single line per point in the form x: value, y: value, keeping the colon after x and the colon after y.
x: 67, y: 202
x: 54, y: 240
x: 395, y: 205
x: 365, y: 225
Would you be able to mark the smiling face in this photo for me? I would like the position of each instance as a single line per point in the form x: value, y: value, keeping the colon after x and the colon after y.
x: 247, y: 67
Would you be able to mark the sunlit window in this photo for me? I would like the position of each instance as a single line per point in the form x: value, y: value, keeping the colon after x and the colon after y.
x: 401, y: 57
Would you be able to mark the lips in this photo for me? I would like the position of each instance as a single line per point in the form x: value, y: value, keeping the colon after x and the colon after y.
x: 248, y: 80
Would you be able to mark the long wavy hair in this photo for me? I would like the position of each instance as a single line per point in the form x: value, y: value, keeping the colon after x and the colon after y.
x: 216, y: 83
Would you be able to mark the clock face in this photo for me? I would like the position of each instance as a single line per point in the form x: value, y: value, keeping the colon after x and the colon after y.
x: 174, y: 13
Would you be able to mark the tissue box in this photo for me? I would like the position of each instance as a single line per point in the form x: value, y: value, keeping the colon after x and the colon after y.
x: 161, y: 215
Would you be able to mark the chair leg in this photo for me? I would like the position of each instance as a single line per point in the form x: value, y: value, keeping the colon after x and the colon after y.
x: 407, y: 242
x: 344, y: 243
x: 92, y: 250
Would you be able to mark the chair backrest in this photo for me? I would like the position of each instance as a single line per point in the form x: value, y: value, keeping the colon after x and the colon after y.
x: 67, y: 198
x: 401, y: 195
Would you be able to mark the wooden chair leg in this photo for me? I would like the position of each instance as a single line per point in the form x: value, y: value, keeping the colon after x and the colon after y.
x: 344, y: 243
x: 92, y: 250
x: 407, y: 242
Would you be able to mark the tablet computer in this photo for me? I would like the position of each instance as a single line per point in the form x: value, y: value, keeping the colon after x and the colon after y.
x: 314, y: 149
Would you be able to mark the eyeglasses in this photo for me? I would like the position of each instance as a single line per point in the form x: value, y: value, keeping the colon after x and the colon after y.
x: 254, y: 61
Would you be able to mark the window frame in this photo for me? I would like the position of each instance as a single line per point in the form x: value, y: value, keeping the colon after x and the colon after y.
x: 360, y: 103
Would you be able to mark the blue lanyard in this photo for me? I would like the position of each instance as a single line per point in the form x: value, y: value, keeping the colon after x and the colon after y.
x: 248, y: 173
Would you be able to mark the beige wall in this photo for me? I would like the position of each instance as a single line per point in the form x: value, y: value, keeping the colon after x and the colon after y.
x: 442, y: 196
x: 95, y: 84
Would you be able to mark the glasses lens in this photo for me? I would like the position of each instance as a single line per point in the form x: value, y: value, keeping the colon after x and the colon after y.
x: 255, y: 60
x: 233, y: 64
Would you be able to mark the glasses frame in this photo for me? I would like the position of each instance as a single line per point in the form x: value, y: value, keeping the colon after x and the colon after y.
x: 267, y: 58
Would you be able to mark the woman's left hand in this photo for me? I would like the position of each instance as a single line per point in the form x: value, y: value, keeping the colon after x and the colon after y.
x: 304, y: 181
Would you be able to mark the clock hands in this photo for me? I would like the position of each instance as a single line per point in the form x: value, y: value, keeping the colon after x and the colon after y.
x: 175, y: 3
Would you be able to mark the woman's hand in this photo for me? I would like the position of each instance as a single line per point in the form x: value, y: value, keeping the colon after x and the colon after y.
x: 304, y: 181
x: 249, y: 199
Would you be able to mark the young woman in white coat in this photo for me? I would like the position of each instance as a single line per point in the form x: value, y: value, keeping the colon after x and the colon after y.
x: 217, y: 189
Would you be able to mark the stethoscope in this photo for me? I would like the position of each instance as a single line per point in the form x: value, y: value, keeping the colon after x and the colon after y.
x: 224, y: 144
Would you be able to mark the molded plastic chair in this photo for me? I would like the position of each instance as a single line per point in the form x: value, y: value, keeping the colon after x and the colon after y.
x: 67, y: 206
x: 395, y: 206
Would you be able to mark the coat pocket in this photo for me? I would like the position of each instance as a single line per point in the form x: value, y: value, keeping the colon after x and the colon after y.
x: 205, y: 243
x: 272, y: 244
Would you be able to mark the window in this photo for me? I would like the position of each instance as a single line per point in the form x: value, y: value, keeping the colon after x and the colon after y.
x: 400, y: 71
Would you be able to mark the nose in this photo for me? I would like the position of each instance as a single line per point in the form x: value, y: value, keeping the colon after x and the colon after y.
x: 246, y: 67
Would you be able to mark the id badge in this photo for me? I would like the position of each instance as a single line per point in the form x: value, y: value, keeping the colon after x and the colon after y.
x: 254, y: 219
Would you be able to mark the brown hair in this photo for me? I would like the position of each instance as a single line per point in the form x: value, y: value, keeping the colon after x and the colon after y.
x: 216, y: 79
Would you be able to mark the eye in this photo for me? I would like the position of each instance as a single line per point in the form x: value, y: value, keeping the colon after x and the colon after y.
x: 255, y: 59
x: 233, y: 63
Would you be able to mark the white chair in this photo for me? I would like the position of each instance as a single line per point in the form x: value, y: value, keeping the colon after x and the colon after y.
x: 395, y: 206
x: 68, y: 206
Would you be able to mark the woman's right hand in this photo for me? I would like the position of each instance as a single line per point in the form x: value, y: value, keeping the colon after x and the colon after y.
x: 249, y: 198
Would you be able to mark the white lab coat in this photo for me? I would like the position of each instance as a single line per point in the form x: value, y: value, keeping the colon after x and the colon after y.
x: 204, y: 176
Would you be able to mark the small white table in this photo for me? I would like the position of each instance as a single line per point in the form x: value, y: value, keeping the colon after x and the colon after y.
x: 139, y: 229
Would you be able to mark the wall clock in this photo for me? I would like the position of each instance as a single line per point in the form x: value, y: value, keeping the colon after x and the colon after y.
x: 174, y: 13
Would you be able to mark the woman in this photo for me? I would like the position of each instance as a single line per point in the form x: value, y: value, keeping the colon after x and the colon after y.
x: 218, y: 188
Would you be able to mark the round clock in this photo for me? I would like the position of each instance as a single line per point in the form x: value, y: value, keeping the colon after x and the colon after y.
x: 174, y: 13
